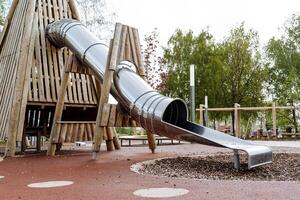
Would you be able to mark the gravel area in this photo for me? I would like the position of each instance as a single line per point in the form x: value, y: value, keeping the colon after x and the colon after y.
x: 285, y: 167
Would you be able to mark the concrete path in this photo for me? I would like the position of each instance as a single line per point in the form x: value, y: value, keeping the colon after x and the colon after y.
x: 293, y: 144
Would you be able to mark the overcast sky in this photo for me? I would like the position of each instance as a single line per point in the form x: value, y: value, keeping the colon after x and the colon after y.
x: 264, y: 16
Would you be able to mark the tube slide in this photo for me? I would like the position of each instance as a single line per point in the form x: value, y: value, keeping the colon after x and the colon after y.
x: 157, y: 113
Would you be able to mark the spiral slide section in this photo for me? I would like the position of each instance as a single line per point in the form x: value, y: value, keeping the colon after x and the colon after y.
x: 157, y: 113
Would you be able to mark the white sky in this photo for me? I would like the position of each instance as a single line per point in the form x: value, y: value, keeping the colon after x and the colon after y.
x: 264, y: 16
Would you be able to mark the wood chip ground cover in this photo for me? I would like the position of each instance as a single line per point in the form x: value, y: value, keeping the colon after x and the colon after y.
x: 285, y: 167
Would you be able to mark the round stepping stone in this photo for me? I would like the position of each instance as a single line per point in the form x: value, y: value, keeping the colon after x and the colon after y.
x: 160, y: 192
x: 50, y: 184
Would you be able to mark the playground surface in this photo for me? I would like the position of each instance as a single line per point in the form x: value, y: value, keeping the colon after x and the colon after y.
x: 110, y: 176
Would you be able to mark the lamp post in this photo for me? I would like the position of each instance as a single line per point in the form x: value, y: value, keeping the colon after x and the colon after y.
x: 192, y: 93
x: 206, y: 112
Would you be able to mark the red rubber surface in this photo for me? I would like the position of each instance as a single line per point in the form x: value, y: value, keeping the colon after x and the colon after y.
x: 110, y: 177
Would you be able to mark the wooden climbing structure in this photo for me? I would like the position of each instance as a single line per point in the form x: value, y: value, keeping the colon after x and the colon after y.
x: 43, y: 89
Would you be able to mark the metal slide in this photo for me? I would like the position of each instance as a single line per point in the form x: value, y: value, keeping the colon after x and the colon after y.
x: 159, y: 114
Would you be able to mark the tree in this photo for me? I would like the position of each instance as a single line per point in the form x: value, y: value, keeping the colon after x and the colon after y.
x: 243, y: 73
x: 98, y: 19
x: 283, y: 62
x: 201, y: 50
x: 228, y: 72
x: 183, y: 50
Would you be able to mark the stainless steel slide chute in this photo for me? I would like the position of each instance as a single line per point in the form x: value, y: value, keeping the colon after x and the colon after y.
x: 159, y: 114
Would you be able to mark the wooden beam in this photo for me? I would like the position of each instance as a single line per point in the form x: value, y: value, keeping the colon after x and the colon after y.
x: 141, y: 69
x: 237, y: 121
x: 274, y: 118
x: 201, y: 121
x: 109, y: 142
x: 107, y: 79
x: 116, y: 140
x: 151, y: 141
x: 54, y: 135
x: 20, y: 81
x: 38, y: 141
x: 134, y: 42
x: 252, y: 108
x: 74, y: 10
x: 26, y: 82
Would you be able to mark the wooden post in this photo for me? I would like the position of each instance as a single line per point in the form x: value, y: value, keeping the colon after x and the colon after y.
x: 151, y: 141
x: 239, y: 128
x: 237, y: 121
x: 274, y: 119
x: 137, y: 59
x: 201, y: 122
x: 73, y: 7
x: 295, y: 119
x: 54, y: 135
x: 24, y: 144
x: 107, y: 79
x: 116, y: 140
x: 109, y: 142
x: 38, y: 141
x: 26, y: 83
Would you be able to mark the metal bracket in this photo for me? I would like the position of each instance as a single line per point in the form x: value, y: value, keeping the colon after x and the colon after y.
x: 236, y: 159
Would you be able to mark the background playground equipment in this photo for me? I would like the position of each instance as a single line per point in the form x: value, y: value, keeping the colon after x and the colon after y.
x: 237, y: 109
x: 39, y: 82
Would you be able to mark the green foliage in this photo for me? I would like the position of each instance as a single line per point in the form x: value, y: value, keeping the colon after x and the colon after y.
x: 124, y: 130
x: 184, y: 50
x: 242, y: 73
x: 2, y: 9
x: 129, y: 131
x: 228, y: 72
x: 284, y: 63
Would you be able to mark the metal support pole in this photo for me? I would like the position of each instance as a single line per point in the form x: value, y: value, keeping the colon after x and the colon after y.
x: 206, y: 112
x: 236, y: 159
x: 192, y: 93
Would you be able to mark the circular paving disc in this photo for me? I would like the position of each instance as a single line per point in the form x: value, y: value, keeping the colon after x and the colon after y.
x: 160, y: 192
x: 50, y: 184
